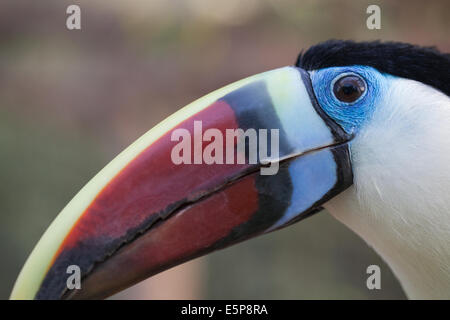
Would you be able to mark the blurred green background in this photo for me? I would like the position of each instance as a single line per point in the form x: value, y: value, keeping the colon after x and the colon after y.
x: 72, y: 100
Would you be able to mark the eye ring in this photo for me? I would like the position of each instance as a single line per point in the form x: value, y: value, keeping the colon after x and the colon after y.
x: 348, y: 88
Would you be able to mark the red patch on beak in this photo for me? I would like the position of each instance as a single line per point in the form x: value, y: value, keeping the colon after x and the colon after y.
x: 151, y: 182
x: 189, y: 233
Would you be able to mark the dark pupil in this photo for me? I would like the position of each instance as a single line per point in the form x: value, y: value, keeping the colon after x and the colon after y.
x: 349, y: 88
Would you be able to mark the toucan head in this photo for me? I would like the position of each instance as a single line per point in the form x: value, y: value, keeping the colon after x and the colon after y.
x: 354, y: 127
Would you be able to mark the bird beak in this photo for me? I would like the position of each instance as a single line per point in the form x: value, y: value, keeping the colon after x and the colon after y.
x: 247, y: 159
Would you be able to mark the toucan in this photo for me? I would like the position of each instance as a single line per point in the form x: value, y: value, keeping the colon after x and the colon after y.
x: 362, y: 130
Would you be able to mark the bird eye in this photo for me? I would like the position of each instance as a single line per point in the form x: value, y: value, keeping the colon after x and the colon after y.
x: 349, y: 88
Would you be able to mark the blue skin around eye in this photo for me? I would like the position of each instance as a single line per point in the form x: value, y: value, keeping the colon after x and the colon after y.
x: 349, y: 116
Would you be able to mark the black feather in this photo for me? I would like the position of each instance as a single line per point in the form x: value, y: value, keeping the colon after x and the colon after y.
x: 424, y: 64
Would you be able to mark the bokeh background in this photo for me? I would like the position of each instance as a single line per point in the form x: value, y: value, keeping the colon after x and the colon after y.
x: 72, y: 100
